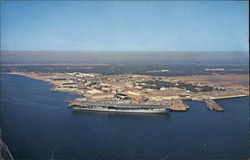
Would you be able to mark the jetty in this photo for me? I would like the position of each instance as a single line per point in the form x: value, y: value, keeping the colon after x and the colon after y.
x: 212, y: 105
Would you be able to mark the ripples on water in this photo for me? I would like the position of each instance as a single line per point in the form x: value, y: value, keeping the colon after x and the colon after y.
x: 36, y: 122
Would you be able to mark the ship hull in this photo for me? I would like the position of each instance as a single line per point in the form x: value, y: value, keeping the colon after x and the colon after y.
x: 146, y: 111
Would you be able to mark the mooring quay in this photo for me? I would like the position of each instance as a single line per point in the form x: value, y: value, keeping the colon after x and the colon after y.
x: 212, y: 105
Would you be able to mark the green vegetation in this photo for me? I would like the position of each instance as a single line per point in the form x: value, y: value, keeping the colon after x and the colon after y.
x: 191, y: 87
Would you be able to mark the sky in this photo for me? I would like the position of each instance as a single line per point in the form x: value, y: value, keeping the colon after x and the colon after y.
x: 125, y: 25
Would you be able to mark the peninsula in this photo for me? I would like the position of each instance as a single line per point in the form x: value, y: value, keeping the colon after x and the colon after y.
x: 144, y: 93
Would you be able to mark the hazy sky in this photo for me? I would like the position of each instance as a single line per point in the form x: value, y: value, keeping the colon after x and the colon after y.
x: 125, y: 25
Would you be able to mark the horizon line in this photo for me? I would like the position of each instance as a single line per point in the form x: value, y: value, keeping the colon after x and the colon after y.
x: 124, y: 50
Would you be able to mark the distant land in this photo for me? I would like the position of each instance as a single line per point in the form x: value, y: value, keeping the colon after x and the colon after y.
x: 54, y: 64
x: 120, y: 57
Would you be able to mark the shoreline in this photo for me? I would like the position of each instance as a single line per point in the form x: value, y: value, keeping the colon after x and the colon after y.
x: 68, y: 91
x: 52, y: 88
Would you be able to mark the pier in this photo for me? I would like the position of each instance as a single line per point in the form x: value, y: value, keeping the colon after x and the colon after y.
x: 212, y: 105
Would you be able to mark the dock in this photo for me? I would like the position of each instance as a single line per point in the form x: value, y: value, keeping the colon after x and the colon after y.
x: 178, y: 105
x: 212, y: 105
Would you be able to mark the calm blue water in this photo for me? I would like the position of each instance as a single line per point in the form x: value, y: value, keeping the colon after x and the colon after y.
x: 36, y: 122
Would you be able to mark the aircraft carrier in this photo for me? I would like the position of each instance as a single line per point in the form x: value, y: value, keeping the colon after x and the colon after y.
x: 123, y: 108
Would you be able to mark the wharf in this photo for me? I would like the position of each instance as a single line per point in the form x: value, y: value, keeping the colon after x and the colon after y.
x: 212, y: 105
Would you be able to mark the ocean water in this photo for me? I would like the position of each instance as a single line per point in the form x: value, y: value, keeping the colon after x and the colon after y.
x: 36, y: 124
